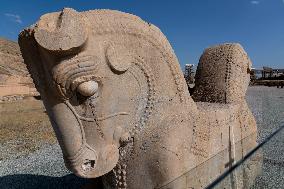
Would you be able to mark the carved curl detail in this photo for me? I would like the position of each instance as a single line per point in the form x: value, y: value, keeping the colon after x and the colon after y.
x: 119, y: 58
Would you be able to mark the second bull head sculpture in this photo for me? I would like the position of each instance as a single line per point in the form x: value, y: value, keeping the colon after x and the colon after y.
x: 119, y: 104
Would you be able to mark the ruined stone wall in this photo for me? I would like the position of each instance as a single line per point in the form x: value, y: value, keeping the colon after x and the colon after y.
x: 8, y: 90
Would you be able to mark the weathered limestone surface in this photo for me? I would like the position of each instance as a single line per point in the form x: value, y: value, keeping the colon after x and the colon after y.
x: 120, y: 107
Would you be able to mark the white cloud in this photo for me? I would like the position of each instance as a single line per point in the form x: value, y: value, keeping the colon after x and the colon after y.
x: 255, y: 2
x: 14, y: 17
x: 283, y: 1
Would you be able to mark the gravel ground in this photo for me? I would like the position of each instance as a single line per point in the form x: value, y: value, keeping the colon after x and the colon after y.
x: 45, y: 169
x: 42, y: 169
x: 272, y: 175
x: 267, y: 105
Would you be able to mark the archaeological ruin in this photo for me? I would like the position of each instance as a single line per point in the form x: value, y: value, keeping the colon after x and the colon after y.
x: 120, y: 107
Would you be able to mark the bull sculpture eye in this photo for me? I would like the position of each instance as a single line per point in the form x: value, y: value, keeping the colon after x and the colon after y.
x: 88, y: 88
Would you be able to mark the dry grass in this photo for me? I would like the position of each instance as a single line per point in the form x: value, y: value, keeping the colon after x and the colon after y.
x: 11, y: 61
x: 24, y: 127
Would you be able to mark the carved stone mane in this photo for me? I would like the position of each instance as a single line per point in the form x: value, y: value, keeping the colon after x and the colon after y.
x: 119, y: 104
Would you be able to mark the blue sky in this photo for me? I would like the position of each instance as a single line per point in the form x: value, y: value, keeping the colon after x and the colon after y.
x: 190, y: 25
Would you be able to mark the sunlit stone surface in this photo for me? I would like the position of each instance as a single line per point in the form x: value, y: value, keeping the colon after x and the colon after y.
x: 120, y: 107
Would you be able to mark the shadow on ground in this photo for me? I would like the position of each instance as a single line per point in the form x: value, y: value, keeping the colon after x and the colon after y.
x: 27, y: 181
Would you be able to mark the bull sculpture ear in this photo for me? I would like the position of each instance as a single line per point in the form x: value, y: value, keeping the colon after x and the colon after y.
x: 63, y: 32
x: 119, y: 57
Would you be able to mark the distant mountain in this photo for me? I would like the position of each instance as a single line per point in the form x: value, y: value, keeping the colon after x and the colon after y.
x: 14, y: 76
x: 11, y: 61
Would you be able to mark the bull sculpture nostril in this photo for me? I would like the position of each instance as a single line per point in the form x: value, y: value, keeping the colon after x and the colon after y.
x: 88, y: 88
x: 88, y: 165
x: 125, y: 139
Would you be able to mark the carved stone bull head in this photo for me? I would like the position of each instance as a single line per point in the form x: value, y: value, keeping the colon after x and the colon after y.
x: 119, y: 104
x: 87, y: 100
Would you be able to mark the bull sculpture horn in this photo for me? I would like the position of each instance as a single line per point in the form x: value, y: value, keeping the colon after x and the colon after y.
x: 64, y: 32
